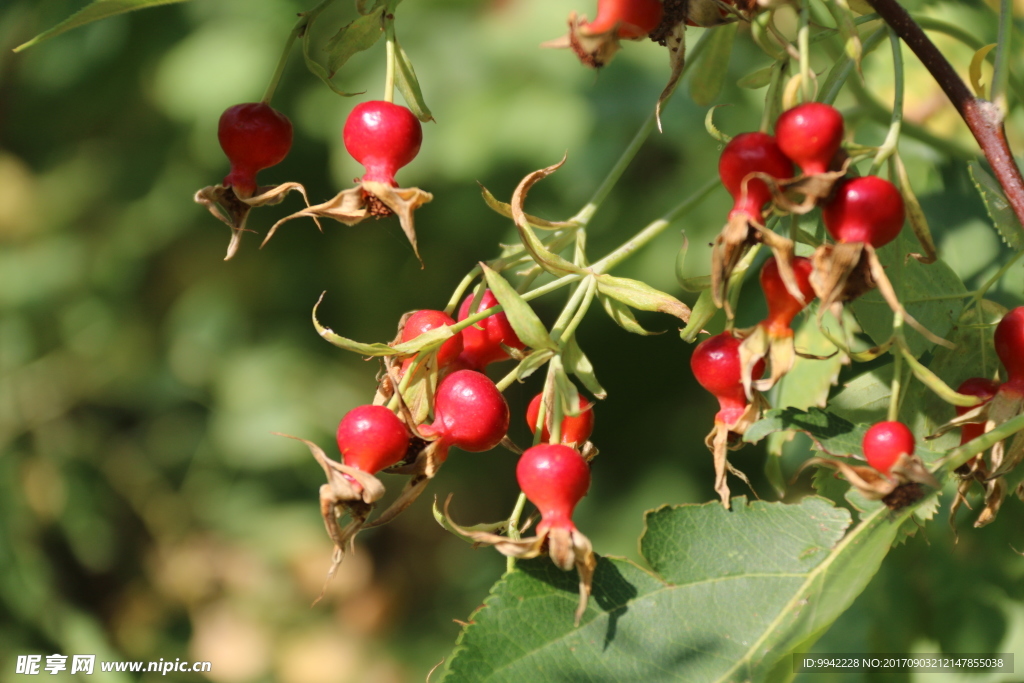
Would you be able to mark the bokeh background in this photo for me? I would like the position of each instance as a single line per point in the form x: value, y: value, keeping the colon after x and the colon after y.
x: 147, y: 512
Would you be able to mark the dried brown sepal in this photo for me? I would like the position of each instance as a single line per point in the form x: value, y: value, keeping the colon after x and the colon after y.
x: 781, y: 354
x: 901, y: 487
x: 505, y: 210
x: 738, y: 235
x: 567, y: 548
x: 348, y: 490
x: 976, y: 415
x: 422, y: 470
x: 802, y: 194
x: 840, y: 273
x: 889, y: 294
x: 903, y: 495
x: 367, y: 199
x: 726, y: 437
x: 870, y: 482
x: 1003, y: 406
x: 232, y: 210
x: 593, y: 49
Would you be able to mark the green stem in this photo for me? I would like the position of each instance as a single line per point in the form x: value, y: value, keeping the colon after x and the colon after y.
x: 453, y: 302
x: 571, y: 306
x: 653, y: 229
x: 590, y: 287
x: 980, y: 294
x: 803, y: 45
x: 1002, y: 60
x: 892, y: 139
x: 299, y: 27
x: 389, y: 76
x: 958, y: 456
x: 844, y: 67
x: 585, y: 214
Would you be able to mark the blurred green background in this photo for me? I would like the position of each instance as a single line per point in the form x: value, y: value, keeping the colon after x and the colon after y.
x: 147, y: 512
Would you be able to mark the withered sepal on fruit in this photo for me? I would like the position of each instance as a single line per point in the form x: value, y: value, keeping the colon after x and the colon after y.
x: 226, y: 206
x: 725, y: 437
x: 901, y: 487
x: 368, y: 199
x: 567, y: 548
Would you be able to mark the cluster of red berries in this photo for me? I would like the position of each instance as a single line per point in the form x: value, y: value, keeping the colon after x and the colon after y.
x: 381, y: 136
x: 470, y: 413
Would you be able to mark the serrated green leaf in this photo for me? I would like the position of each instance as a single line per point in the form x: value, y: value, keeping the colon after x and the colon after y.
x: 98, y: 9
x: 578, y: 364
x: 623, y: 317
x: 409, y: 85
x: 641, y: 296
x: 831, y: 433
x: 756, y: 79
x: 354, y: 37
x: 668, y: 625
x: 1003, y: 217
x: 828, y: 485
x: 931, y: 293
x: 524, y: 321
x: 712, y: 65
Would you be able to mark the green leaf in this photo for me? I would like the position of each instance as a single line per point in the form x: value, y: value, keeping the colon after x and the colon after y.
x: 524, y: 321
x: 642, y: 296
x: 354, y: 37
x: 703, y: 312
x: 831, y: 433
x: 756, y: 79
x: 997, y: 206
x: 712, y: 67
x: 409, y: 85
x: 98, y: 9
x: 809, y: 382
x: 532, y: 363
x: 622, y: 316
x: 928, y: 292
x: 315, y: 67
x: 669, y: 625
x: 578, y: 364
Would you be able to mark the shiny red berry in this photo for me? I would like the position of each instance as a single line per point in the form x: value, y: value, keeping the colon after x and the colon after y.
x: 253, y: 136
x: 745, y: 154
x: 783, y: 306
x: 1009, y: 339
x: 885, y: 442
x: 555, y: 478
x: 383, y: 137
x: 810, y: 134
x: 470, y: 412
x: 481, y: 342
x: 371, y: 438
x: 716, y: 365
x: 634, y: 18
x: 984, y: 389
x: 426, y: 320
x: 867, y: 209
x: 576, y: 429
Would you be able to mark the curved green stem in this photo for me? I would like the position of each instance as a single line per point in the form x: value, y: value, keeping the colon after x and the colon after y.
x: 803, y: 45
x: 654, y: 229
x: 584, y: 215
x: 892, y: 139
x: 299, y: 27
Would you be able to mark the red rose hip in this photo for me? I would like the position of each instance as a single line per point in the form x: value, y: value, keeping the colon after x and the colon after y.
x: 371, y: 438
x: 868, y: 209
x: 576, y: 429
x: 470, y: 412
x: 1009, y: 340
x: 383, y: 137
x: 426, y: 320
x: 555, y: 478
x: 482, y: 342
x: 632, y: 18
x: 885, y: 442
x: 253, y: 136
x: 749, y: 153
x: 810, y: 134
x: 783, y: 306
x: 984, y: 389
x: 716, y: 365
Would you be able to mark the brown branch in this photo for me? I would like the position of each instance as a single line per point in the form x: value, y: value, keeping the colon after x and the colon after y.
x: 983, y: 118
